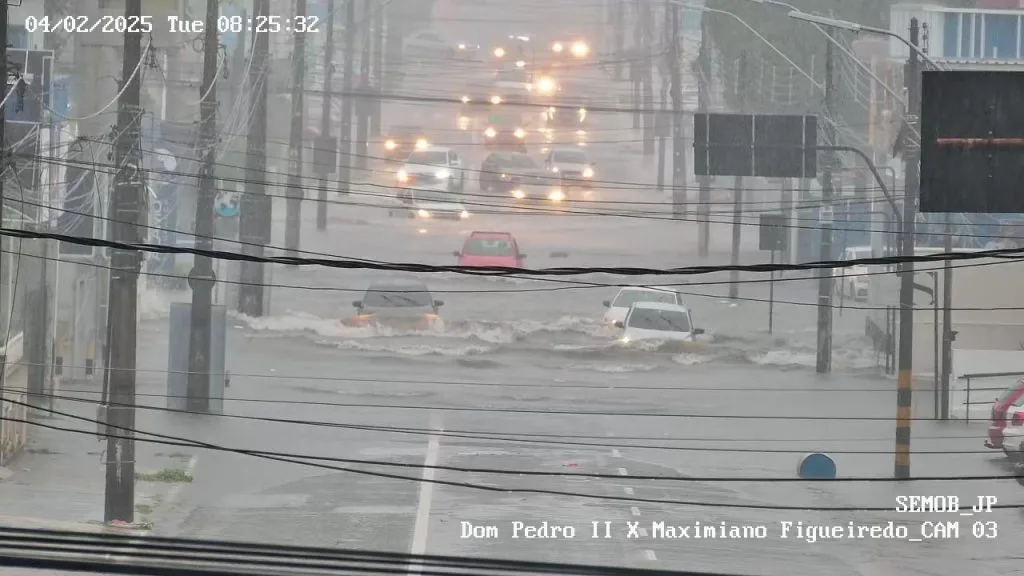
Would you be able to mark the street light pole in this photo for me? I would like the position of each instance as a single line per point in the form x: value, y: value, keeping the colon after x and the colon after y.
x: 825, y: 278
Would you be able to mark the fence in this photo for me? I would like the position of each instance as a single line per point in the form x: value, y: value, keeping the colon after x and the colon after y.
x: 966, y: 394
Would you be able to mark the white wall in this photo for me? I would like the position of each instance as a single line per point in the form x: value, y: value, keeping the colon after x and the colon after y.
x: 981, y: 362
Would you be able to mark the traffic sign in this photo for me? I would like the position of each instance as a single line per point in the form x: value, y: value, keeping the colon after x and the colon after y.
x: 771, y: 146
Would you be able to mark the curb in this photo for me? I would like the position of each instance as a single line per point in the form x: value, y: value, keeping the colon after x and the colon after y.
x: 87, y: 527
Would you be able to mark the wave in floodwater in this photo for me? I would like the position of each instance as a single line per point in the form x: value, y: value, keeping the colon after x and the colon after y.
x: 575, y: 342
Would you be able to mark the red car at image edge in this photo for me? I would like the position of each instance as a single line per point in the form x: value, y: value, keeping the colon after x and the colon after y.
x: 490, y: 249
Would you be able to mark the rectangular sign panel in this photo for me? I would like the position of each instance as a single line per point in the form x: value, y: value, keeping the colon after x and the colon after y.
x: 972, y: 142
x: 770, y: 146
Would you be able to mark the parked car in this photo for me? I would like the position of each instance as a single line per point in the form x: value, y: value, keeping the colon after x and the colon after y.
x: 1007, y: 410
x: 490, y: 249
x: 618, y: 307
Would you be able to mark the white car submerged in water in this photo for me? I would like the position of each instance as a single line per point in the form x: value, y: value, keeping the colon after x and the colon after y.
x: 619, y: 306
x: 658, y: 321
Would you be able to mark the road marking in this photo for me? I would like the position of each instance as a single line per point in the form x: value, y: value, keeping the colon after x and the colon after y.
x: 419, y: 533
x: 650, y: 555
x: 628, y: 490
x: 635, y: 511
x: 616, y: 453
x: 622, y: 472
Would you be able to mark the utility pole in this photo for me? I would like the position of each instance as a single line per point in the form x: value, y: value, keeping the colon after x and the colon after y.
x: 202, y: 277
x: 737, y: 194
x: 363, y: 108
x: 648, y: 79
x: 254, y: 225
x: 678, y: 142
x: 345, y: 138
x: 911, y: 159
x: 620, y: 37
x: 703, y: 103
x: 948, y: 335
x: 125, y: 265
x: 294, y: 193
x: 825, y: 275
x: 325, y: 118
x: 379, y: 19
x: 3, y: 164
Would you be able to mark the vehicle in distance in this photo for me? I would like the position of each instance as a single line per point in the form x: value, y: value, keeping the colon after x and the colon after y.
x: 400, y: 141
x: 506, y: 132
x: 519, y: 176
x: 406, y: 305
x: 490, y: 249
x: 429, y: 205
x: 427, y: 46
x: 618, y: 307
x: 658, y: 321
x: 571, y: 165
x: 854, y: 281
x: 433, y: 168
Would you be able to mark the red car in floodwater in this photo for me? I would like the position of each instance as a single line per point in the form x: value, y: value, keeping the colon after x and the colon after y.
x: 490, y: 249
x: 1008, y: 410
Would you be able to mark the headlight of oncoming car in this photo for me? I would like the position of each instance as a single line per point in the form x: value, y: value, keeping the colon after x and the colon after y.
x: 421, y: 143
x: 518, y: 194
x: 443, y: 174
x: 423, y: 214
x: 465, y: 99
x: 390, y: 145
x: 588, y: 172
x: 520, y: 133
x: 464, y: 214
x: 490, y: 132
x: 402, y: 176
x: 556, y: 195
x: 495, y: 99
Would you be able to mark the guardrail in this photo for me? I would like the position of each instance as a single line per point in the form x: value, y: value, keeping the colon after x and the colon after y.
x: 981, y: 376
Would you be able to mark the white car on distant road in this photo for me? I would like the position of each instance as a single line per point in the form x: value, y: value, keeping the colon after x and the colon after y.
x: 629, y: 295
x: 854, y: 282
x: 658, y: 321
x: 433, y: 168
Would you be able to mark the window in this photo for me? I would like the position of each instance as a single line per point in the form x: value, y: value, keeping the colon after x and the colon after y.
x: 18, y: 37
x: 489, y: 247
x: 397, y: 296
x: 950, y: 35
x: 432, y: 158
x: 569, y: 157
x: 1000, y: 36
x: 627, y: 298
x: 520, y: 161
x: 663, y: 320
x: 966, y: 27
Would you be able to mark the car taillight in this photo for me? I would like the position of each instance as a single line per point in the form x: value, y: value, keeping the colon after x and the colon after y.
x: 1018, y: 419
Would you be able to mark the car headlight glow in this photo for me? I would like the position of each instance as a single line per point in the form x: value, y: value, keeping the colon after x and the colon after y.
x: 421, y: 143
x: 465, y: 99
x: 556, y: 196
x: 462, y: 46
x: 402, y: 176
x: 504, y: 176
x: 490, y: 132
x: 423, y: 214
x: 390, y: 145
x: 499, y: 52
x: 520, y: 133
x: 554, y: 169
x: 580, y: 49
x: 464, y: 214
x: 557, y: 47
x: 546, y: 85
x: 588, y: 172
x: 624, y: 339
x: 582, y: 112
x: 495, y: 99
x: 443, y: 174
x: 518, y: 194
x: 520, y: 63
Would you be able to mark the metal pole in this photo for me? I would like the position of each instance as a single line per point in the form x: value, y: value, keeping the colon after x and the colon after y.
x: 703, y: 102
x: 379, y: 17
x: 737, y: 197
x: 662, y: 148
x: 363, y: 106
x: 119, y: 500
x: 294, y: 192
x: 678, y: 142
x: 904, y: 379
x: 825, y: 275
x: 345, y: 137
x: 648, y: 79
x: 935, y: 341
x: 787, y: 213
x: 202, y: 277
x: 620, y: 37
x: 255, y: 217
x: 771, y: 296
x: 948, y: 335
x: 325, y: 117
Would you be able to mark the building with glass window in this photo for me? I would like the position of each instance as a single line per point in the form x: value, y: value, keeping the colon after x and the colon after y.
x: 962, y: 34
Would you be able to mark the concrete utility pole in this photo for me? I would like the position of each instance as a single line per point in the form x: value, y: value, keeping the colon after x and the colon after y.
x: 825, y: 275
x: 295, y: 193
x: 911, y: 160
x: 737, y: 194
x: 703, y: 104
x: 948, y: 335
x: 255, y: 217
x: 202, y: 277
x: 119, y: 501
x: 325, y: 117
x: 363, y: 106
x: 648, y: 78
x: 620, y: 37
x: 345, y: 138
x: 379, y: 19
x: 3, y: 163
x: 678, y: 138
